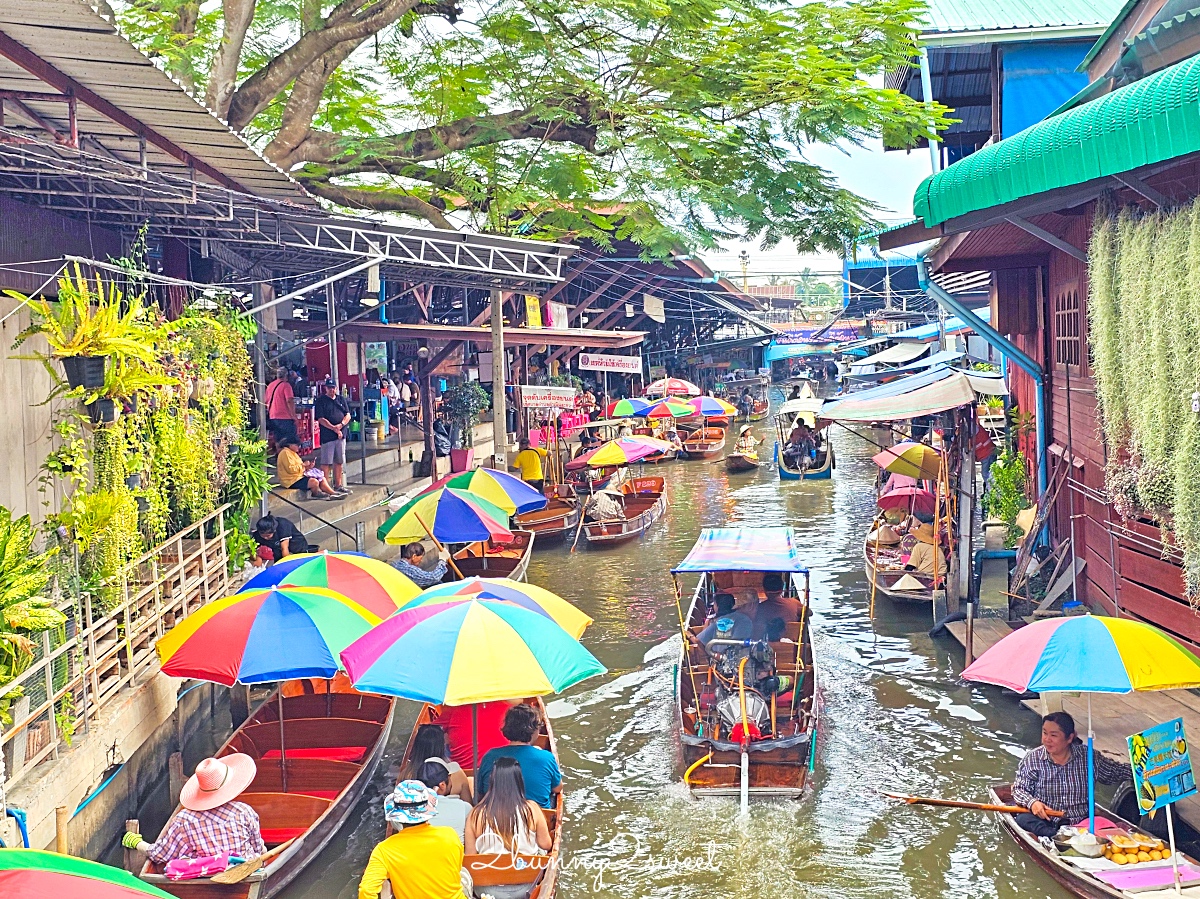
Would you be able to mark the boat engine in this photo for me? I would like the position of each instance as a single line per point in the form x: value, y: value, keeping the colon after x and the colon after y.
x: 758, y: 712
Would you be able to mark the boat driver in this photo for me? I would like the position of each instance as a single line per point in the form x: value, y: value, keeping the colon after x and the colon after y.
x: 726, y: 624
x: 1052, y: 779
x: 800, y: 446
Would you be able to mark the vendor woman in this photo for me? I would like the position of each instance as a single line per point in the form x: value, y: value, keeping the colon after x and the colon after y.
x: 1052, y: 780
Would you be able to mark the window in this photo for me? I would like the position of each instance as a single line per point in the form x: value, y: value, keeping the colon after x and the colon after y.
x: 1066, y: 327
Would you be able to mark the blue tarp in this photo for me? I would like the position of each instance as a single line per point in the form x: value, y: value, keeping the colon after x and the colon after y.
x: 775, y: 352
x: 743, y: 549
x: 954, y: 325
x: 945, y: 357
x: 1037, y: 79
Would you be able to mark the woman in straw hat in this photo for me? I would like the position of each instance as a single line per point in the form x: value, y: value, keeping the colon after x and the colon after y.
x: 746, y: 441
x: 210, y: 822
x: 420, y: 860
x: 925, y: 552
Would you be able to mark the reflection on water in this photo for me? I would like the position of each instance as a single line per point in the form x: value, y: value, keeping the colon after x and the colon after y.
x: 896, y: 716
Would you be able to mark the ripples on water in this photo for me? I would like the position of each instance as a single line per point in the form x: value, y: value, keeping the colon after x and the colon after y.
x: 896, y: 716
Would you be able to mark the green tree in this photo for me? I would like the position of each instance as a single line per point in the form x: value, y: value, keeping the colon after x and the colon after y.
x: 651, y: 121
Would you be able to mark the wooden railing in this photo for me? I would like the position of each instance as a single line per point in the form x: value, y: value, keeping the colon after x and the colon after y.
x: 71, y: 680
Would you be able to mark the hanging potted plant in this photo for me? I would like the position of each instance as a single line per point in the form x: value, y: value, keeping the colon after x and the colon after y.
x: 462, y: 405
x: 86, y: 326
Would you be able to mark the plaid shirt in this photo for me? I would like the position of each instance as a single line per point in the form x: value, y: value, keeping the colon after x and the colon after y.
x: 420, y: 576
x: 232, y: 827
x: 1063, y: 787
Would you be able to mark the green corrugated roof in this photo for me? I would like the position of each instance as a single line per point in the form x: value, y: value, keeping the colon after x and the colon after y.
x: 1000, y: 15
x: 1149, y: 121
x: 1113, y: 25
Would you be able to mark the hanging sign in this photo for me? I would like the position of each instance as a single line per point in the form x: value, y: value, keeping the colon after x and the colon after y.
x: 548, y: 397
x: 598, y: 362
x: 653, y: 307
x: 658, y: 372
x: 533, y: 312
x: 1162, y: 767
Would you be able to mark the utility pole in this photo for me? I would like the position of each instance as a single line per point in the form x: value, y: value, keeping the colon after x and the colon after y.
x: 499, y: 406
x: 744, y: 258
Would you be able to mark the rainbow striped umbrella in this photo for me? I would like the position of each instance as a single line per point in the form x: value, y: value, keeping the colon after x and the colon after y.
x: 710, y: 405
x: 621, y: 451
x: 628, y: 408
x: 671, y: 387
x: 36, y: 874
x: 460, y: 653
x: 450, y: 515
x: 670, y: 409
x: 528, y: 596
x: 499, y: 488
x: 374, y: 585
x: 1088, y: 654
x: 266, y: 635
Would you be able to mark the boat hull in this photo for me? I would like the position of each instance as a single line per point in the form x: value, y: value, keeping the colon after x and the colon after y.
x: 647, y: 497
x: 704, y: 443
x: 551, y: 524
x: 822, y: 473
x: 510, y: 560
x: 883, y: 580
x: 739, y: 462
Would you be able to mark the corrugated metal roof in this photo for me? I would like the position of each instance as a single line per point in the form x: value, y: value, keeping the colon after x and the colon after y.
x: 1149, y: 121
x: 1003, y: 15
x: 72, y: 38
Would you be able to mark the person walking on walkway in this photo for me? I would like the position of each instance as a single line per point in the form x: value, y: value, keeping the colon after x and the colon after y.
x: 281, y: 408
x: 333, y: 418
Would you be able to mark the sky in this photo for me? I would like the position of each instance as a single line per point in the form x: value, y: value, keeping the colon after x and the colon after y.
x: 888, y: 179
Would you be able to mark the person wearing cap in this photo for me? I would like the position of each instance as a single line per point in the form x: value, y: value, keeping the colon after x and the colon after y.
x: 333, y: 417
x: 420, y: 860
x: 925, y: 554
x: 295, y: 475
x: 452, y: 810
x: 211, y: 822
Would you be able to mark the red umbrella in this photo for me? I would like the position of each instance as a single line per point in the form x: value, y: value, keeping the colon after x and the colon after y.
x: 912, y: 499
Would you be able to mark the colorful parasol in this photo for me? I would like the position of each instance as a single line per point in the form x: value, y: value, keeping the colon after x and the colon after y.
x: 672, y: 387
x: 450, y: 515
x: 710, y: 405
x: 916, y: 460
x: 621, y: 451
x: 1088, y: 654
x: 461, y: 653
x: 36, y: 874
x: 499, y: 488
x: 670, y: 409
x: 911, y: 499
x: 528, y: 596
x: 628, y: 408
x: 374, y: 585
x: 266, y: 635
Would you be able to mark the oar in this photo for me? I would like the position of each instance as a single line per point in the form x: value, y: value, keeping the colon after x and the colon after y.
x: 240, y: 872
x: 954, y: 803
x: 582, y: 514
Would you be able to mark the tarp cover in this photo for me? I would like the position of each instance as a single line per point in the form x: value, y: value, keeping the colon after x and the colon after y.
x: 935, y: 391
x: 743, y: 549
x: 945, y: 357
x: 895, y: 355
x: 991, y: 385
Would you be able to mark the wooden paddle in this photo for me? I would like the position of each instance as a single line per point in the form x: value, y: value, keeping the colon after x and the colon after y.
x: 582, y: 515
x: 954, y: 803
x: 240, y: 872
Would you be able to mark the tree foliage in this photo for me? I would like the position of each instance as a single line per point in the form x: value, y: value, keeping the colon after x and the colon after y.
x: 649, y: 120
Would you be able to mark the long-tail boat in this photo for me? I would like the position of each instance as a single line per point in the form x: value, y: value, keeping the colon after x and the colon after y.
x: 311, y: 774
x: 489, y: 559
x: 644, y: 500
x: 559, y: 518
x: 748, y: 712
x: 541, y: 871
x: 803, y: 409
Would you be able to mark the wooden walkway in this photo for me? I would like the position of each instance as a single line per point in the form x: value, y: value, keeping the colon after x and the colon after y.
x: 1114, y: 716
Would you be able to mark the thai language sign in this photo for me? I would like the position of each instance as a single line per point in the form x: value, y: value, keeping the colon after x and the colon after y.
x: 838, y: 333
x: 548, y: 397
x: 598, y: 362
x: 1162, y: 767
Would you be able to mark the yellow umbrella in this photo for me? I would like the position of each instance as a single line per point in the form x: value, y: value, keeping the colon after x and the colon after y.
x: 529, y: 596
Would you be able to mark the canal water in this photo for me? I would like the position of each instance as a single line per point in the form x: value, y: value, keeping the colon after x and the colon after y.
x: 896, y: 717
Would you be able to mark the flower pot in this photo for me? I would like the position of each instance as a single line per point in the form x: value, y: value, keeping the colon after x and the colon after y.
x: 103, y: 411
x: 461, y: 459
x: 85, y: 371
x: 134, y: 481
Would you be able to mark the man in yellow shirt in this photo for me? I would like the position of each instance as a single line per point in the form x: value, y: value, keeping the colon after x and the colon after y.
x: 529, y: 461
x: 421, y: 861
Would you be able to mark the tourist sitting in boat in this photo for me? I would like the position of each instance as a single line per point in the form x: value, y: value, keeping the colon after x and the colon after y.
x: 797, y: 453
x: 505, y: 822
x: 451, y: 810
x: 1052, y: 779
x: 430, y: 744
x: 419, y: 860
x: 737, y: 625
x: 774, y: 605
x: 471, y: 729
x: 926, y: 554
x: 543, y: 780
x: 409, y: 565
x: 604, y: 506
x: 746, y: 441
x: 673, y: 439
x: 211, y: 822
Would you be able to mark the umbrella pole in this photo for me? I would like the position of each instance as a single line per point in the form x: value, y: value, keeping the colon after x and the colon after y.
x: 475, y: 745
x: 1174, y: 856
x: 1091, y: 772
x: 282, y: 760
x: 441, y: 549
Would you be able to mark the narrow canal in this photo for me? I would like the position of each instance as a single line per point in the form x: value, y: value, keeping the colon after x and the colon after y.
x: 896, y: 717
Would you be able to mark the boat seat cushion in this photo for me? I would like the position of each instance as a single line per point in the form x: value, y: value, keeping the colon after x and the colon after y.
x: 273, y: 836
x: 333, y: 753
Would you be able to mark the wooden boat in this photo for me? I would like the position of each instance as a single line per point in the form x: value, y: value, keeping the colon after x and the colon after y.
x: 488, y: 559
x: 739, y: 462
x: 886, y: 575
x: 495, y: 870
x: 332, y: 743
x: 644, y: 501
x: 589, y: 480
x: 553, y: 523
x: 804, y: 409
x: 758, y: 413
x: 1073, y: 878
x: 666, y: 456
x: 780, y: 762
x: 704, y: 443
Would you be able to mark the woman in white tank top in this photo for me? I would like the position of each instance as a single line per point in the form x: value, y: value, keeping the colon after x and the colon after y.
x: 505, y: 822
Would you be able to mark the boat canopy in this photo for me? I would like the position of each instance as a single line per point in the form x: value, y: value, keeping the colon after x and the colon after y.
x: 744, y: 549
x: 944, y: 357
x: 809, y: 404
x: 936, y: 390
x: 988, y: 385
x: 895, y: 355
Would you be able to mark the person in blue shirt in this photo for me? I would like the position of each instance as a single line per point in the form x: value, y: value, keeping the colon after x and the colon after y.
x: 543, y: 780
x: 726, y: 623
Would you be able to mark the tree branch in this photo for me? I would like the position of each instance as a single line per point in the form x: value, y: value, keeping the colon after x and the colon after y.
x: 303, y: 103
x: 222, y: 80
x: 379, y: 201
